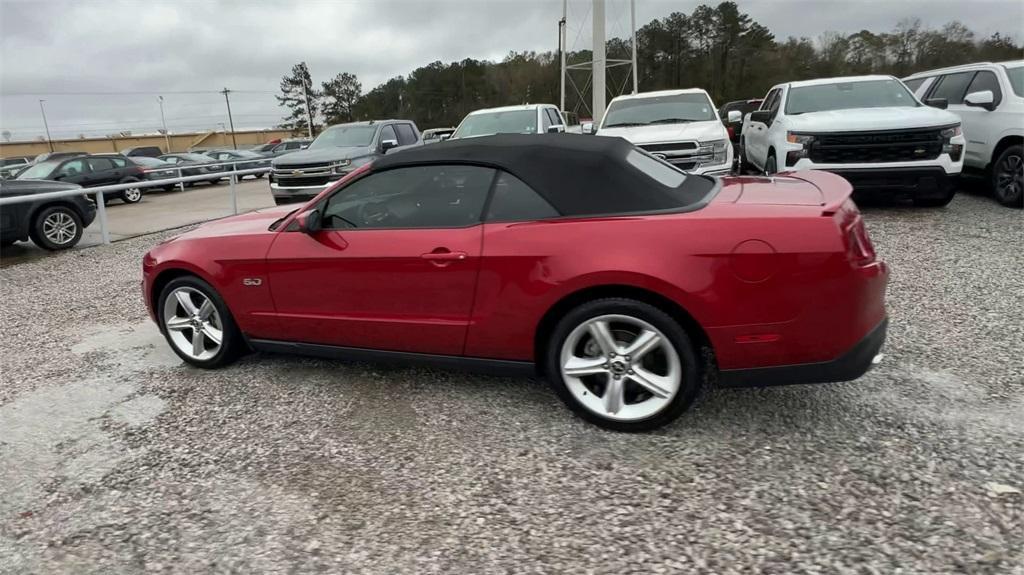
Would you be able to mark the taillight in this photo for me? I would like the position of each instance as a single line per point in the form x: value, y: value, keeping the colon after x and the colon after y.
x: 859, y: 246
x: 732, y: 132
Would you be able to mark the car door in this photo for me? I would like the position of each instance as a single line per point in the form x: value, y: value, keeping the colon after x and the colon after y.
x: 756, y: 135
x: 75, y: 171
x: 103, y: 172
x: 980, y: 124
x: 394, y: 267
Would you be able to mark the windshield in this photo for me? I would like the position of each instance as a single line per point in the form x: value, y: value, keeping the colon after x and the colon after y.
x: 345, y: 137
x: 849, y: 95
x: 1016, y: 77
x: 674, y: 109
x: 39, y: 171
x: 508, y: 122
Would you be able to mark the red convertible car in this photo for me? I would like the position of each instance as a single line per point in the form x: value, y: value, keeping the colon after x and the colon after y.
x: 624, y: 281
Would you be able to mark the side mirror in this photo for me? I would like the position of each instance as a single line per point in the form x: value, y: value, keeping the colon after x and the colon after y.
x: 587, y: 127
x: 386, y: 145
x: 444, y: 137
x: 940, y: 103
x: 983, y: 99
x: 313, y: 222
x: 761, y: 116
x: 555, y: 129
x: 734, y: 117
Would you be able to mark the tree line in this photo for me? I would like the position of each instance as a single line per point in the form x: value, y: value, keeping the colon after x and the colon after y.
x: 720, y: 49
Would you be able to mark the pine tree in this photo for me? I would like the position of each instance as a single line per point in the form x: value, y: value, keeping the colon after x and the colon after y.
x: 340, y: 96
x: 292, y: 97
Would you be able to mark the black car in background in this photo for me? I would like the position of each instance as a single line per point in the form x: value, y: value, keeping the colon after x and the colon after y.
x: 244, y: 159
x: 90, y: 172
x: 744, y: 107
x: 53, y: 224
x: 147, y: 151
x: 194, y: 164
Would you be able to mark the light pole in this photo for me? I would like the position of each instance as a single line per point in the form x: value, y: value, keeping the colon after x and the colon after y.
x: 49, y: 141
x: 231, y: 120
x: 167, y: 138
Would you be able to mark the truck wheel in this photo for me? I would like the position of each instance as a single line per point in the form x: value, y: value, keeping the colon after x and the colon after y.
x: 1008, y: 177
x: 770, y: 167
x: 56, y: 228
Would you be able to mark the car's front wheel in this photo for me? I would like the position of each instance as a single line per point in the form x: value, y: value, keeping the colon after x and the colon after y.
x: 197, y: 324
x: 622, y: 364
x: 56, y: 228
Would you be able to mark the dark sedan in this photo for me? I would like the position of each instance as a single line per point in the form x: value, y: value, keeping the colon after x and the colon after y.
x: 53, y: 224
x: 193, y: 164
x: 91, y: 172
x: 156, y: 169
x: 241, y: 159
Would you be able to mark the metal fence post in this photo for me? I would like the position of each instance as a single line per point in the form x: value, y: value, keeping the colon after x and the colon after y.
x: 234, y: 199
x: 102, y: 209
x: 181, y: 185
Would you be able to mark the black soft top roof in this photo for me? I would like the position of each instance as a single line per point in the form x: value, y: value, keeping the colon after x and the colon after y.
x: 577, y: 174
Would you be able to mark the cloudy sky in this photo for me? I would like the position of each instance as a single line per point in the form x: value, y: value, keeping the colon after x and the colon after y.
x: 100, y: 64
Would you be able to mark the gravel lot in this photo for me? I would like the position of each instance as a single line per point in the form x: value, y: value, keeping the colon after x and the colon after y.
x: 115, y: 458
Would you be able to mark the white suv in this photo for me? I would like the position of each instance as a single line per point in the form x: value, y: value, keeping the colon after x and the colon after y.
x: 678, y: 126
x: 989, y: 98
x: 869, y: 129
x: 525, y: 119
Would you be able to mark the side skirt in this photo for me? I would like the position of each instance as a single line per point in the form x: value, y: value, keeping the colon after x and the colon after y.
x: 490, y: 366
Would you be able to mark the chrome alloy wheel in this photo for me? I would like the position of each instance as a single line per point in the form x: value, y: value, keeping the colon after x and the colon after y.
x: 60, y: 228
x: 193, y: 324
x: 620, y: 367
x: 133, y: 195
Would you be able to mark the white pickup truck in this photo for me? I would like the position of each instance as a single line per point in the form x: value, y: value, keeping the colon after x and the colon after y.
x: 869, y: 129
x: 679, y: 126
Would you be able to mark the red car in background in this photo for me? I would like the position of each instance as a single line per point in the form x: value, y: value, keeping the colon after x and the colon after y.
x: 603, y: 268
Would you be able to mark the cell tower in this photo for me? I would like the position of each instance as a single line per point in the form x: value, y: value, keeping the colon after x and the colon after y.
x: 598, y: 66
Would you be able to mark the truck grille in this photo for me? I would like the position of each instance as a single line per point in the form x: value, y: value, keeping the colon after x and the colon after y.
x: 303, y: 175
x: 302, y: 182
x: 287, y: 168
x: 876, y: 147
x: 671, y: 146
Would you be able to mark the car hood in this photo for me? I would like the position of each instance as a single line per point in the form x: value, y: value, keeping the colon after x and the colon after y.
x: 302, y: 157
x: 699, y: 131
x: 30, y: 187
x: 863, y: 119
x: 242, y: 224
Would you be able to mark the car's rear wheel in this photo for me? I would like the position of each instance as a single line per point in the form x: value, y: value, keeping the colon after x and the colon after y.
x: 1008, y: 177
x: 131, y: 195
x: 197, y: 324
x: 622, y: 364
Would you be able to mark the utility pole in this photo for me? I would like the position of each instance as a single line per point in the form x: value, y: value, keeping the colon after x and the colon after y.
x: 561, y: 56
x: 309, y: 113
x: 167, y: 138
x: 599, y: 77
x: 49, y: 141
x: 632, y: 21
x: 231, y: 121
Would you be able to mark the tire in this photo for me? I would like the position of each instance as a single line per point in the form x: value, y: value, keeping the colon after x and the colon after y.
x: 131, y: 195
x: 935, y: 202
x: 770, y: 165
x: 1008, y: 177
x: 671, y: 366
x: 56, y: 228
x: 260, y: 175
x: 177, y: 324
x: 741, y: 160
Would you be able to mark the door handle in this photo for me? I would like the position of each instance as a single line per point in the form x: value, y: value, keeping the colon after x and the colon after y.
x: 445, y: 256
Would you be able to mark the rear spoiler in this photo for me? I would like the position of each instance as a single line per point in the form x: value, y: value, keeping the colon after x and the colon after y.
x: 834, y: 189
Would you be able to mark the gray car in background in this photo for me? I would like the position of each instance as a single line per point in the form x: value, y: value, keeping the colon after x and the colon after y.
x: 300, y: 176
